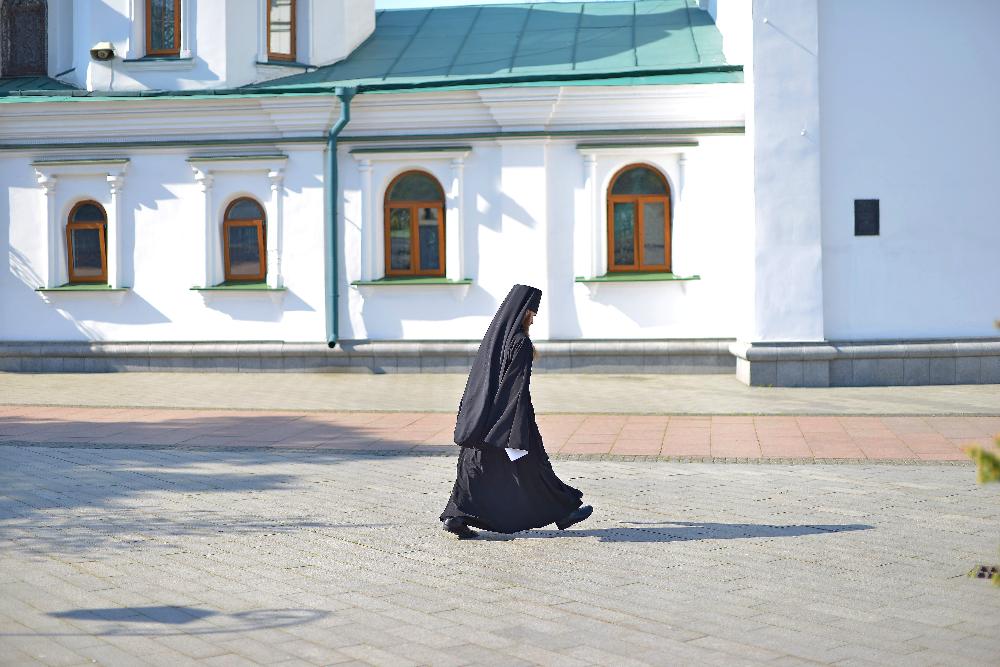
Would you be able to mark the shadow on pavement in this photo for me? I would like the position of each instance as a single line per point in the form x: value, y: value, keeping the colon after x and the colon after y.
x: 112, y: 618
x: 89, y: 498
x: 682, y: 531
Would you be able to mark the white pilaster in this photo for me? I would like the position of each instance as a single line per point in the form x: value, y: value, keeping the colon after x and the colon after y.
x: 524, y: 220
x: 187, y: 28
x: 784, y: 127
x: 454, y: 244
x: 210, y: 246
x: 372, y: 250
x: 369, y: 239
x: 110, y: 171
x: 52, y: 235
x: 116, y: 181
x: 205, y: 169
x: 597, y: 259
x: 682, y: 161
x: 274, y: 230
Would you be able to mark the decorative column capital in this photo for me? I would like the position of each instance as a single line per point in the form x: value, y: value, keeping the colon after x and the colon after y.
x: 590, y: 160
x: 47, y: 181
x: 277, y: 177
x: 203, y: 177
x: 364, y: 165
x: 116, y: 182
x: 458, y: 163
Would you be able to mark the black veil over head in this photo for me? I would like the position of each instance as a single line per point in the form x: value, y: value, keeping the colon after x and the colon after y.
x: 490, y: 365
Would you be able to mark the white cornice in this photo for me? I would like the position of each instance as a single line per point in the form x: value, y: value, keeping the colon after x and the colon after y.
x: 390, y: 153
x: 48, y: 169
x: 434, y: 112
x: 521, y: 108
x: 242, y: 162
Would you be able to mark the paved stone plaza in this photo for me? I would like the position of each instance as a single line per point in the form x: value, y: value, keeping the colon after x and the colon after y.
x: 142, y: 555
x: 230, y: 519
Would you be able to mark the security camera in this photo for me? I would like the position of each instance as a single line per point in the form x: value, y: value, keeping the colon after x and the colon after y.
x: 102, y: 51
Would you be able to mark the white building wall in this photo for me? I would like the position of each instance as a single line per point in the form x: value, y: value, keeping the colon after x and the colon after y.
x: 527, y: 218
x: 909, y: 108
x: 164, y: 220
x: 335, y: 29
x: 525, y: 215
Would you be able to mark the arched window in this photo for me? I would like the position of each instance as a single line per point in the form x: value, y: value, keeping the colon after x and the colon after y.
x: 163, y: 27
x: 86, y: 246
x: 243, y: 236
x: 23, y: 37
x: 639, y: 220
x: 281, y: 29
x: 414, y: 226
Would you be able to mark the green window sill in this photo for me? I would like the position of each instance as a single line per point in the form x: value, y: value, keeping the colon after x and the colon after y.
x: 635, y: 277
x: 157, y: 59
x: 82, y: 287
x: 414, y: 280
x: 235, y: 286
x: 283, y: 63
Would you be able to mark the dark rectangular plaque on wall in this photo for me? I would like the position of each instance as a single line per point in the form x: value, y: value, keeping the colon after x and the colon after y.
x: 866, y: 217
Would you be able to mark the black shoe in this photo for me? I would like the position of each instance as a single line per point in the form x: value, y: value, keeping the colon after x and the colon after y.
x: 576, y: 516
x: 457, y: 526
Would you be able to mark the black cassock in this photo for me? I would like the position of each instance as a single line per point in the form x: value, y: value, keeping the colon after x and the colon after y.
x: 491, y: 491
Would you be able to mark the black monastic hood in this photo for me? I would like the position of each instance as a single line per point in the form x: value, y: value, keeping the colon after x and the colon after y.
x: 495, y: 352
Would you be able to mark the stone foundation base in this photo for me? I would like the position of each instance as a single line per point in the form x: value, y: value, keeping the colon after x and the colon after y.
x: 862, y: 364
x: 576, y: 356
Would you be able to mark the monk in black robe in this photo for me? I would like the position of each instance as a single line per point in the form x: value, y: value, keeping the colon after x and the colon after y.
x: 505, y: 482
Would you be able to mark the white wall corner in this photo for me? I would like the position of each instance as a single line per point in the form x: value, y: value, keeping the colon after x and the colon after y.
x: 788, y: 299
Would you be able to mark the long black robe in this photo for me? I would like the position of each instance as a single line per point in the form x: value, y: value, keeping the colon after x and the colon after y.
x: 491, y: 491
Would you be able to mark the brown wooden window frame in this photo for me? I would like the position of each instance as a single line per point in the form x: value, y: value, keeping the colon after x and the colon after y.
x: 638, y: 266
x: 102, y: 228
x: 271, y: 55
x: 176, y: 50
x: 413, y: 207
x: 227, y: 224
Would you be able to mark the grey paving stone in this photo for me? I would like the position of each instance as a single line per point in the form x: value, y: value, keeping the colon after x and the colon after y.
x: 990, y: 369
x: 968, y: 370
x: 789, y: 373
x: 889, y: 372
x: 243, y: 557
x: 841, y: 373
x: 816, y: 374
x: 942, y: 370
x: 916, y: 371
x: 763, y: 373
x: 864, y: 372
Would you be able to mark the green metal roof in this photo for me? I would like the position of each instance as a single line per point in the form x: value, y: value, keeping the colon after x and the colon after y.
x: 18, y: 83
x: 548, y: 41
x: 639, y: 42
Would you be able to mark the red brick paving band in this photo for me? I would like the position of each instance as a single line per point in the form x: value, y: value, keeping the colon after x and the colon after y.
x: 931, y: 438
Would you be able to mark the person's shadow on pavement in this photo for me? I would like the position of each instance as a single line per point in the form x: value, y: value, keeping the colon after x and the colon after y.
x: 681, y: 531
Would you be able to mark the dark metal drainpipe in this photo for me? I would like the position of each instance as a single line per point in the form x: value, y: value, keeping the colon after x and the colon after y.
x: 333, y: 200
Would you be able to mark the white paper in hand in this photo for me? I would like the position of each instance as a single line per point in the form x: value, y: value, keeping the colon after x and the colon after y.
x: 515, y: 454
